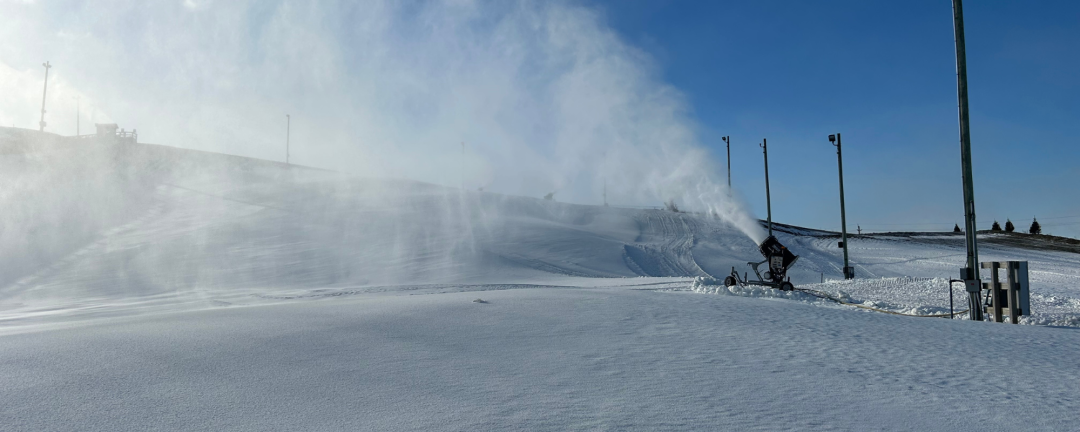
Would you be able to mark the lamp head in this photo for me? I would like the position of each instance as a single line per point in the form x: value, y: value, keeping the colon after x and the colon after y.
x: 832, y: 138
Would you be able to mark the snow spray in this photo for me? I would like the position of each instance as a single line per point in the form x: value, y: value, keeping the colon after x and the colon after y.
x: 545, y: 97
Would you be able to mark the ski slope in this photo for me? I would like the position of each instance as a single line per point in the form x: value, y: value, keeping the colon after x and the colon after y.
x: 145, y: 287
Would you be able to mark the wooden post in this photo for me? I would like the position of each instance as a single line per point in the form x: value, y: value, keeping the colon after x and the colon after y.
x: 995, y: 292
x: 1014, y: 306
x: 1009, y: 297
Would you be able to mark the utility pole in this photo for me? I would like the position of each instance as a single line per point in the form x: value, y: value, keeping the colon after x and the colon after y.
x: 849, y: 272
x: 768, y: 199
x: 727, y: 140
x: 44, y: 89
x: 288, y: 131
x: 970, y: 274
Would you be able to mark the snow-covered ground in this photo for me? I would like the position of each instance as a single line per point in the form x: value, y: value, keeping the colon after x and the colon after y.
x: 149, y: 288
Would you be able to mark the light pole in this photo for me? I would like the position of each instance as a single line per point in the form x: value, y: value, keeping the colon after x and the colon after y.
x: 849, y: 272
x: 970, y: 274
x: 44, y: 89
x: 768, y: 199
x: 727, y: 140
x: 288, y: 131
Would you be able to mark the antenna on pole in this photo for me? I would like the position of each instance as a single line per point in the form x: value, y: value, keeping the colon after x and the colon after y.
x: 45, y: 88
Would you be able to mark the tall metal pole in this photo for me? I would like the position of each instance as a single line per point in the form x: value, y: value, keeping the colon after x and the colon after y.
x: 970, y: 274
x: 288, y: 132
x: 768, y: 199
x: 44, y: 89
x: 727, y: 140
x: 849, y: 272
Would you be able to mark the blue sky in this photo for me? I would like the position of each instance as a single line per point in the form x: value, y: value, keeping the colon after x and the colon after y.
x: 883, y: 75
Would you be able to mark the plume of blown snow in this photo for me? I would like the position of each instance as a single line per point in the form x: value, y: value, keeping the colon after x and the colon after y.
x: 517, y: 97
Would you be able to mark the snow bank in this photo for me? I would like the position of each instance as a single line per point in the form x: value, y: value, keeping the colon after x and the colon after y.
x: 901, y: 295
x: 539, y: 359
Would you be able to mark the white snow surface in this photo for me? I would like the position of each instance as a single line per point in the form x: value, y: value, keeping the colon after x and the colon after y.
x: 147, y: 288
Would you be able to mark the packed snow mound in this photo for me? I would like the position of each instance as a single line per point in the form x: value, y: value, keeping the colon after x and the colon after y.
x: 912, y: 296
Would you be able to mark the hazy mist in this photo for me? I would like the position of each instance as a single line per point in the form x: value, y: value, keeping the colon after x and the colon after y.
x: 543, y: 95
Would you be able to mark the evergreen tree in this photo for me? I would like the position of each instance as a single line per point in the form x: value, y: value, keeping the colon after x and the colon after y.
x: 1035, y: 228
x: 1009, y: 227
x: 956, y: 229
x: 995, y: 227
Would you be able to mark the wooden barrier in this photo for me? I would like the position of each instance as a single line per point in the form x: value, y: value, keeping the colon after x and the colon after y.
x: 1009, y: 297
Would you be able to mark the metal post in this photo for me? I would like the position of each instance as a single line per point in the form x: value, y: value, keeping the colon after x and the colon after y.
x: 288, y: 132
x: 971, y: 272
x: 727, y: 140
x: 849, y: 272
x: 768, y: 199
x: 951, y: 314
x: 44, y: 89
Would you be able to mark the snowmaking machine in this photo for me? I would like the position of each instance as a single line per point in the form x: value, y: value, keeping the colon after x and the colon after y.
x: 779, y: 260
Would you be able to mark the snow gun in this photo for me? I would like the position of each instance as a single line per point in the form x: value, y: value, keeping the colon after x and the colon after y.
x: 779, y: 260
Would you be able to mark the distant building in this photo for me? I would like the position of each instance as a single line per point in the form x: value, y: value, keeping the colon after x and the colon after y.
x: 106, y: 130
x: 112, y: 133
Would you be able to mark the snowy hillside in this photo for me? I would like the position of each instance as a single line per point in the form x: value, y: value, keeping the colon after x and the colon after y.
x: 187, y: 228
x: 145, y: 287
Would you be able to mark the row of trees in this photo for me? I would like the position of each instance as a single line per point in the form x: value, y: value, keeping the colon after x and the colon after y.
x: 1009, y: 227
